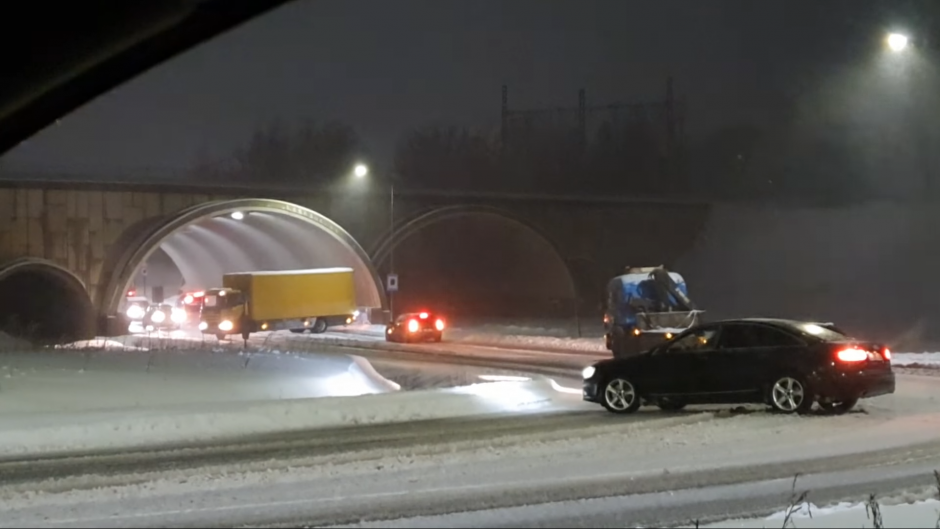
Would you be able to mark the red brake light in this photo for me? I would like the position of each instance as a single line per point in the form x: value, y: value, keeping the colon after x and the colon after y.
x: 131, y: 293
x: 886, y: 354
x: 852, y: 354
x: 412, y: 325
x: 423, y: 315
x: 439, y: 325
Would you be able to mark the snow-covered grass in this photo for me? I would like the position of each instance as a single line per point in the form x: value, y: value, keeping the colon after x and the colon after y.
x: 118, y: 393
x: 923, y: 513
x: 66, y: 381
x: 916, y: 359
x: 555, y: 343
x: 146, y: 426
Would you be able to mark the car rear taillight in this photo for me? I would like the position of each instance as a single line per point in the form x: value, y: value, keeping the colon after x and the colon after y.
x: 412, y: 325
x: 852, y: 354
x: 886, y: 354
x: 439, y: 325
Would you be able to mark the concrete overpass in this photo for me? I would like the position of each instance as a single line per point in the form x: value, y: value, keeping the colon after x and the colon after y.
x: 69, y: 251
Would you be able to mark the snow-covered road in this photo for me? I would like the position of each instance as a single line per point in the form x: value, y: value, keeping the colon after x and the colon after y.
x: 483, y: 464
x: 386, y: 472
x: 428, y: 457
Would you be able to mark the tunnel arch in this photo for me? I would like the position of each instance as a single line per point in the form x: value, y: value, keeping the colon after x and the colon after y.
x: 273, y: 222
x: 410, y: 226
x: 43, y: 301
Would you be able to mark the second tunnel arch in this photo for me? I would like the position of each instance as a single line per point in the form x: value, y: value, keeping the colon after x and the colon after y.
x: 345, y: 247
x: 408, y: 227
x: 46, y: 301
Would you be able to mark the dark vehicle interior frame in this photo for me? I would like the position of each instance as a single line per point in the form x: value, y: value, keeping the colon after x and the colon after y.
x: 57, y: 56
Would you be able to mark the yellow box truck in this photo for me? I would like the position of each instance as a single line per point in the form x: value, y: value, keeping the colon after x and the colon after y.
x: 297, y: 300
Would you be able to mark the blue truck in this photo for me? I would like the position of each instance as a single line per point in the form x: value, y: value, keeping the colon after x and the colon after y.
x: 646, y: 306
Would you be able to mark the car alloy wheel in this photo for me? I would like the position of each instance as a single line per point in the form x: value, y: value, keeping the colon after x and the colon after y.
x: 789, y: 395
x: 620, y: 396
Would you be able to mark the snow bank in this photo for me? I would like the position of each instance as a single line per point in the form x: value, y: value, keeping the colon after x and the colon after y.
x: 505, y: 336
x: 181, y: 424
x: 924, y: 513
x: 554, y: 343
x: 101, y: 343
x: 44, y: 382
x: 915, y: 359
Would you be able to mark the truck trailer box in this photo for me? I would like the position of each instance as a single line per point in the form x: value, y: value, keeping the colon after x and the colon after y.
x: 290, y: 294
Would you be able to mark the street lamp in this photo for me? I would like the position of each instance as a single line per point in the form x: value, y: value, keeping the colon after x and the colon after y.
x: 897, y: 42
x: 360, y: 171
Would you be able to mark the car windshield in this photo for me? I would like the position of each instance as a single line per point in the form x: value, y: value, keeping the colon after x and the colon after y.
x: 215, y: 301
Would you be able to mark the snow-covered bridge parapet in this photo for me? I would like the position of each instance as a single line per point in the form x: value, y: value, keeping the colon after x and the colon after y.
x: 99, y: 232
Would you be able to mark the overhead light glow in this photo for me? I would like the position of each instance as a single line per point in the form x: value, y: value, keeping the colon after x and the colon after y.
x: 238, y: 215
x: 897, y: 42
x: 361, y: 170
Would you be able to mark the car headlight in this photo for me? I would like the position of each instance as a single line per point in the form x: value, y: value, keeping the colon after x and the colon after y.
x: 226, y: 326
x: 135, y: 312
x: 356, y: 314
x: 203, y: 326
x: 178, y: 315
x: 158, y: 316
x: 588, y: 372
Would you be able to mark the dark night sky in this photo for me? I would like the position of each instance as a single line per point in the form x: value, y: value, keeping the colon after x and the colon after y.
x: 387, y: 66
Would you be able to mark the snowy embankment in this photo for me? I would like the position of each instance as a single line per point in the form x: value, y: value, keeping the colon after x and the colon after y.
x: 147, y: 427
x: 923, y: 513
x: 497, y: 335
x: 90, y: 397
x: 114, y: 380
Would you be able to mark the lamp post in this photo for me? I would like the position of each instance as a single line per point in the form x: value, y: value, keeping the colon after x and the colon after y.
x: 360, y: 171
x: 391, y: 253
x: 899, y: 43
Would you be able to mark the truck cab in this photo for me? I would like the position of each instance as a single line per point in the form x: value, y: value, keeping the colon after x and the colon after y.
x: 223, y: 312
x: 646, y: 306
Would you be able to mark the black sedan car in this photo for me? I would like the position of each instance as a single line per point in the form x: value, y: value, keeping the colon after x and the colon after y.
x: 786, y: 364
x: 415, y: 327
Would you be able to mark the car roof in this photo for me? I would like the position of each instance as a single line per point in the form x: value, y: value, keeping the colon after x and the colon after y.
x: 771, y: 321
